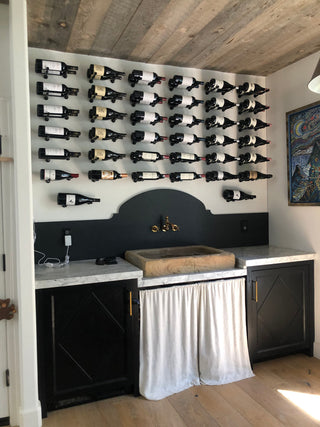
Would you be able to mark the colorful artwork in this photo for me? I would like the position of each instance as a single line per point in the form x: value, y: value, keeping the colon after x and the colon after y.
x: 303, y: 135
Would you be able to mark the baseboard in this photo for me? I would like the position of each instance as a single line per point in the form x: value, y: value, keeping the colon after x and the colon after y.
x: 316, y: 350
x: 4, y: 421
x: 31, y: 418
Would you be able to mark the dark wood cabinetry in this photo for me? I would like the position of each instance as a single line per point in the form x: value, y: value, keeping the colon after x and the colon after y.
x: 280, y: 313
x: 88, y: 342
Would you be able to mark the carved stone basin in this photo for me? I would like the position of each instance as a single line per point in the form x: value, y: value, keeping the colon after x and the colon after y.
x: 180, y: 259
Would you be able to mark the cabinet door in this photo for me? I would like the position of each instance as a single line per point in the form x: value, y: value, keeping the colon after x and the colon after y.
x: 280, y: 310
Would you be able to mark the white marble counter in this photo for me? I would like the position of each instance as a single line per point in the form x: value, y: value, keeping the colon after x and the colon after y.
x: 84, y: 272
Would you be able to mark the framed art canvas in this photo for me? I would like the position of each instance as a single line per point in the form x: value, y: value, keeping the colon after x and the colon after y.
x: 303, y: 145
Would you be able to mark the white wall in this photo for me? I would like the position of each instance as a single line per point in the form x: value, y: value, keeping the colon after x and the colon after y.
x: 114, y: 193
x: 291, y: 226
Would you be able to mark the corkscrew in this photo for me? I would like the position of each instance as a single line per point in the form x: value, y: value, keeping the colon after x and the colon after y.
x: 165, y: 226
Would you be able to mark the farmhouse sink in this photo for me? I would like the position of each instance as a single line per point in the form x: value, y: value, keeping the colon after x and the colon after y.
x: 180, y: 259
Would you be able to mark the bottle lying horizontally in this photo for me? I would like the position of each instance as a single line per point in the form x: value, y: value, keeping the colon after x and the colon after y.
x: 101, y: 72
x: 72, y: 199
x: 96, y: 175
x: 251, y: 123
x: 184, y: 176
x: 57, y: 68
x: 219, y: 176
x: 234, y: 195
x: 253, y: 176
x: 147, y: 176
x: 103, y: 113
x: 145, y: 77
x: 56, y: 153
x: 141, y: 136
x: 52, y: 89
x: 147, y: 156
x: 219, y: 122
x: 184, y: 82
x: 49, y: 175
x: 219, y: 86
x: 146, y: 117
x: 250, y: 106
x: 184, y: 120
x: 183, y: 101
x: 220, y: 158
x: 55, y: 111
x: 185, y: 138
x: 178, y: 157
x: 104, y: 93
x: 219, y: 140
x: 98, y: 154
x: 219, y: 104
x: 252, y: 158
x: 251, y: 89
x: 140, y: 97
x: 48, y: 132
x: 251, y: 141
x: 104, y: 134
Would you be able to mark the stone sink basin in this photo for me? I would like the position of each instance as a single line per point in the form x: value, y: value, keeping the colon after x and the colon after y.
x: 180, y: 259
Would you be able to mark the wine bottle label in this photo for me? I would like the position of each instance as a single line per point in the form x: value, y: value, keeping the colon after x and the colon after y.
x: 149, y: 136
x: 187, y: 120
x: 101, y: 112
x: 186, y: 100
x: 99, y: 154
x: 99, y: 70
x: 251, y: 105
x: 146, y: 77
x: 220, y: 121
x: 220, y: 102
x: 147, y: 98
x: 99, y: 91
x: 70, y: 199
x: 251, y: 87
x: 187, y: 138
x: 220, y: 175
x: 219, y: 84
x: 52, y: 109
x: 187, y: 156
x: 186, y: 81
x: 49, y: 174
x: 220, y: 157
x: 253, y: 175
x: 253, y: 122
x: 54, y: 152
x: 52, y: 87
x: 50, y: 130
x: 252, y: 140
x: 54, y: 66
x: 149, y: 175
x: 253, y: 157
x: 107, y: 175
x: 236, y: 195
x: 100, y: 133
x: 219, y: 139
x: 149, y: 156
x: 148, y: 117
x: 184, y: 176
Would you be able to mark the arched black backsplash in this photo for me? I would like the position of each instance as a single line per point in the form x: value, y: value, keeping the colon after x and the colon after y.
x: 131, y: 228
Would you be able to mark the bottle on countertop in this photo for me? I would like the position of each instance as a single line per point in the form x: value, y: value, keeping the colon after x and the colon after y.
x: 141, y: 136
x: 251, y: 123
x: 104, y: 93
x: 66, y: 199
x: 103, y: 113
x: 253, y: 176
x: 48, y: 132
x: 146, y: 117
x: 184, y: 120
x: 49, y: 175
x: 219, y: 140
x: 185, y: 138
x: 234, y: 195
x: 177, y: 157
x: 52, y: 89
x: 220, y: 158
x: 252, y: 158
x: 145, y: 77
x: 219, y: 86
x: 99, y: 154
x: 251, y: 89
x: 57, y: 68
x: 55, y: 111
x: 184, y: 176
x: 147, y: 156
x: 249, y: 106
x: 140, y: 97
x: 56, y: 153
x: 96, y: 175
x: 104, y: 134
x: 101, y: 72
x: 183, y: 101
x: 147, y: 176
x: 251, y: 141
x: 219, y: 104
x: 219, y: 122
x: 219, y: 176
x: 184, y: 82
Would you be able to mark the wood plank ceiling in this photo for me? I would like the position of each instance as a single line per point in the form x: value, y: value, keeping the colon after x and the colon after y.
x: 256, y: 37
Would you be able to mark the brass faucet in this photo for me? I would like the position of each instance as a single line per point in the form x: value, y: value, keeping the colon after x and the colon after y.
x: 166, y: 226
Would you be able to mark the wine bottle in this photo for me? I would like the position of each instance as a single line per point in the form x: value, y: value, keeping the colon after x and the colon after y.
x: 251, y: 89
x: 146, y: 77
x: 219, y: 140
x: 104, y: 93
x: 219, y: 176
x: 56, y: 153
x: 146, y: 176
x: 251, y: 123
x: 49, y: 175
x: 253, y: 141
x: 56, y: 132
x: 184, y: 120
x: 98, y: 154
x: 184, y: 82
x: 96, y: 175
x: 219, y: 122
x: 104, y: 134
x: 220, y: 86
x: 253, y: 176
x: 101, y: 72
x: 46, y: 67
x: 252, y: 158
x: 183, y: 101
x: 65, y: 199
x: 185, y: 138
x: 249, y: 106
x: 233, y: 195
x: 140, y: 97
x: 220, y: 158
x: 147, y: 156
x: 177, y: 157
x: 219, y: 104
x: 51, y: 89
x: 102, y: 113
x: 145, y: 117
x: 184, y: 176
x: 55, y: 111
x: 140, y: 136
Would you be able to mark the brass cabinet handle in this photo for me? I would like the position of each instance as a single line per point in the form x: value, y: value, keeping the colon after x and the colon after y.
x: 130, y: 304
x: 254, y: 290
x: 256, y: 283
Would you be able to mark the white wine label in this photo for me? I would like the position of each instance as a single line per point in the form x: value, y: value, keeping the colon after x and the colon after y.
x: 220, y: 157
x: 220, y: 175
x: 52, y: 87
x: 101, y: 112
x: 219, y: 102
x: 99, y: 154
x: 186, y: 81
x: 236, y: 195
x: 149, y: 136
x: 219, y: 139
x: 186, y: 100
x: 251, y: 105
x: 147, y: 98
x: 52, y: 109
x: 100, y: 133
x: 50, y: 130
x: 253, y: 122
x: 253, y: 157
x: 219, y: 84
x: 220, y: 121
x: 99, y: 90
x: 54, y: 66
x: 184, y: 176
x: 187, y: 156
x: 107, y: 175
x: 54, y: 152
x: 70, y: 199
x: 188, y: 138
x: 146, y: 77
x: 99, y: 70
x: 251, y: 87
x: 186, y: 120
x: 148, y: 117
x: 49, y: 174
x: 149, y: 156
x: 149, y: 175
x: 252, y: 140
x: 253, y: 175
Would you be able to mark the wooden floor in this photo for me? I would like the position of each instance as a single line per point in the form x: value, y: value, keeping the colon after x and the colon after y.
x: 252, y: 402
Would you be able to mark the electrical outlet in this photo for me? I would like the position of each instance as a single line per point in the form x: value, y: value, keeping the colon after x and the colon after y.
x: 67, y: 237
x: 244, y: 226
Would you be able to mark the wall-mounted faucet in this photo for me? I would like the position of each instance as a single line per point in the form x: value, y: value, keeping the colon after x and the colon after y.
x: 165, y: 226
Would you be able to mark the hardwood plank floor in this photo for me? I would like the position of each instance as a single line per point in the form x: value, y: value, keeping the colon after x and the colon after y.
x: 252, y: 402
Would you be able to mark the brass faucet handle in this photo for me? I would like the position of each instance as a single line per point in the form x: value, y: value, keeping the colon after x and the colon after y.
x: 165, y: 227
x: 154, y: 228
x: 175, y: 227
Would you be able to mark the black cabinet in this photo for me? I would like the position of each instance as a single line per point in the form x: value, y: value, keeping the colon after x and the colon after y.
x: 280, y: 313
x: 88, y: 342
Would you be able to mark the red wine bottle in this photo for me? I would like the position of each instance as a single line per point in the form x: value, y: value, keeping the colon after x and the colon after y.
x: 56, y: 153
x: 219, y: 140
x: 251, y: 89
x: 57, y: 68
x: 140, y: 97
x: 219, y: 122
x: 184, y: 120
x: 234, y: 195
x: 55, y: 111
x: 56, y: 132
x: 219, y: 104
x: 185, y: 138
x: 146, y: 77
x: 49, y: 175
x: 146, y: 117
x: 183, y: 101
x: 252, y: 141
x: 65, y: 199
x: 98, y: 154
x: 252, y: 158
x: 51, y: 89
x: 177, y: 157
x: 251, y: 123
x: 219, y: 86
x: 102, y: 113
x: 104, y: 93
x: 101, y: 72
x: 253, y: 176
x: 104, y: 134
x: 140, y: 136
x: 146, y: 176
x: 219, y: 176
x: 96, y: 175
x: 147, y: 156
x: 184, y: 82
x: 184, y: 176
x: 220, y: 158
x: 249, y: 106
